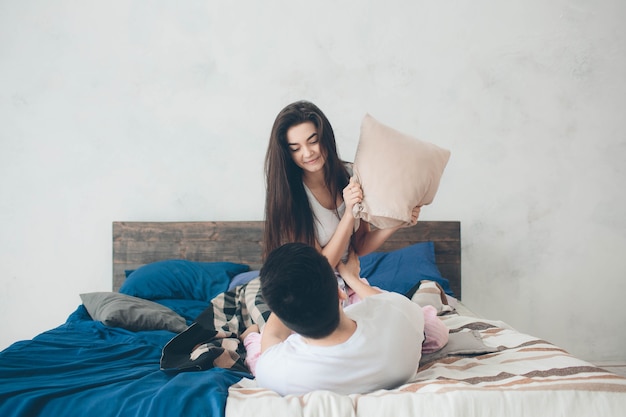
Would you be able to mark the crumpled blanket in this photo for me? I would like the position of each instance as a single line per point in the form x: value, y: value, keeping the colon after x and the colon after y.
x: 212, y: 339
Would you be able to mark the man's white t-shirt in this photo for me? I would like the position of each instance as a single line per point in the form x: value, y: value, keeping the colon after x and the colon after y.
x: 383, y: 352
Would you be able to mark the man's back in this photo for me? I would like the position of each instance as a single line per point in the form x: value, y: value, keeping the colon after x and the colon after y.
x: 383, y: 352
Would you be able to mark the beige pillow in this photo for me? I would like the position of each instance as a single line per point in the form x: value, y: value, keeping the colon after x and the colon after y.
x: 430, y: 293
x: 397, y: 172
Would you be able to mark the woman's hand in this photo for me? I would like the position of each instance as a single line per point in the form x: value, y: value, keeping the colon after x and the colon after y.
x: 415, y: 213
x: 351, y: 270
x: 352, y: 194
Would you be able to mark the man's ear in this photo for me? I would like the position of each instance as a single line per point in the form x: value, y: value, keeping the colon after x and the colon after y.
x: 342, y: 295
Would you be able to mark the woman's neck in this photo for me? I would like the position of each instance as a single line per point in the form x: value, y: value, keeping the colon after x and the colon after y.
x: 317, y: 185
x: 314, y: 180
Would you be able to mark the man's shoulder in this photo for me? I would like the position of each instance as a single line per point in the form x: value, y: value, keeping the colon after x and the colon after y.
x: 388, y: 297
x: 389, y: 302
x: 271, y: 364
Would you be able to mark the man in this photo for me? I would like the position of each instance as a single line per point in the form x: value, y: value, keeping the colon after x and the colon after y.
x: 311, y: 343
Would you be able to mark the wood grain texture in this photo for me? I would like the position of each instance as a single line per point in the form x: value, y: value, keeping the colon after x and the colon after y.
x: 138, y: 243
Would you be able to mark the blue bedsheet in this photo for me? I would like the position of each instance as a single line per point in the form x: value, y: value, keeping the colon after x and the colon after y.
x: 86, y: 368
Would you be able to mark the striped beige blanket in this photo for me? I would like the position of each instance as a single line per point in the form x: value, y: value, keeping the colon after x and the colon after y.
x: 523, y: 376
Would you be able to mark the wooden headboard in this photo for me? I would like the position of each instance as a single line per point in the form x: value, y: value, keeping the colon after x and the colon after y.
x: 138, y: 243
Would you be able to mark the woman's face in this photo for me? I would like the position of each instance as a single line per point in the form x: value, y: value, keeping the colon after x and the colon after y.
x: 304, y: 145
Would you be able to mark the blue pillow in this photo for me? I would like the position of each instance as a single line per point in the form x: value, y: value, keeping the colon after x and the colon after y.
x: 181, y: 279
x: 243, y: 278
x: 400, y: 270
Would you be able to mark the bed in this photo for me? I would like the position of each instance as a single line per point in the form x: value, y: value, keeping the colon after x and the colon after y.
x: 108, y: 355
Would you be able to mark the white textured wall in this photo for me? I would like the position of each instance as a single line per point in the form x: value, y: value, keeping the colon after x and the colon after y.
x: 160, y: 110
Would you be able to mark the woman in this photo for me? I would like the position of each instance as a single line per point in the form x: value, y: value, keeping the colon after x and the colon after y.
x: 309, y: 199
x: 310, y: 195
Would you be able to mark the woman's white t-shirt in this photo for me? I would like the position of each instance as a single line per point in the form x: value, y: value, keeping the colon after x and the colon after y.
x: 325, y: 220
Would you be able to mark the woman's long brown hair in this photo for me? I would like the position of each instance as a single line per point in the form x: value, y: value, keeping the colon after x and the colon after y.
x: 288, y: 214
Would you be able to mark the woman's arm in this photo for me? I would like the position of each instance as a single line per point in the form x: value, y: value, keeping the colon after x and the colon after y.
x: 274, y: 332
x: 336, y: 246
x: 350, y: 272
x: 367, y: 240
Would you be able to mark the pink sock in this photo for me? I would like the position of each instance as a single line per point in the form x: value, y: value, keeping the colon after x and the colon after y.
x: 252, y: 342
x: 435, y: 332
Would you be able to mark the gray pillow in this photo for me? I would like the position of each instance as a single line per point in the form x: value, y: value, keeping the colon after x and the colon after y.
x: 131, y: 313
x: 460, y: 344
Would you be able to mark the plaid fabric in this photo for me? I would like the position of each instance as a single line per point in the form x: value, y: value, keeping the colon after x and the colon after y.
x: 212, y: 340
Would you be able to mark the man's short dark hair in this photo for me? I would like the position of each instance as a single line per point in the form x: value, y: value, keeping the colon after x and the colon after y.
x: 300, y: 287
